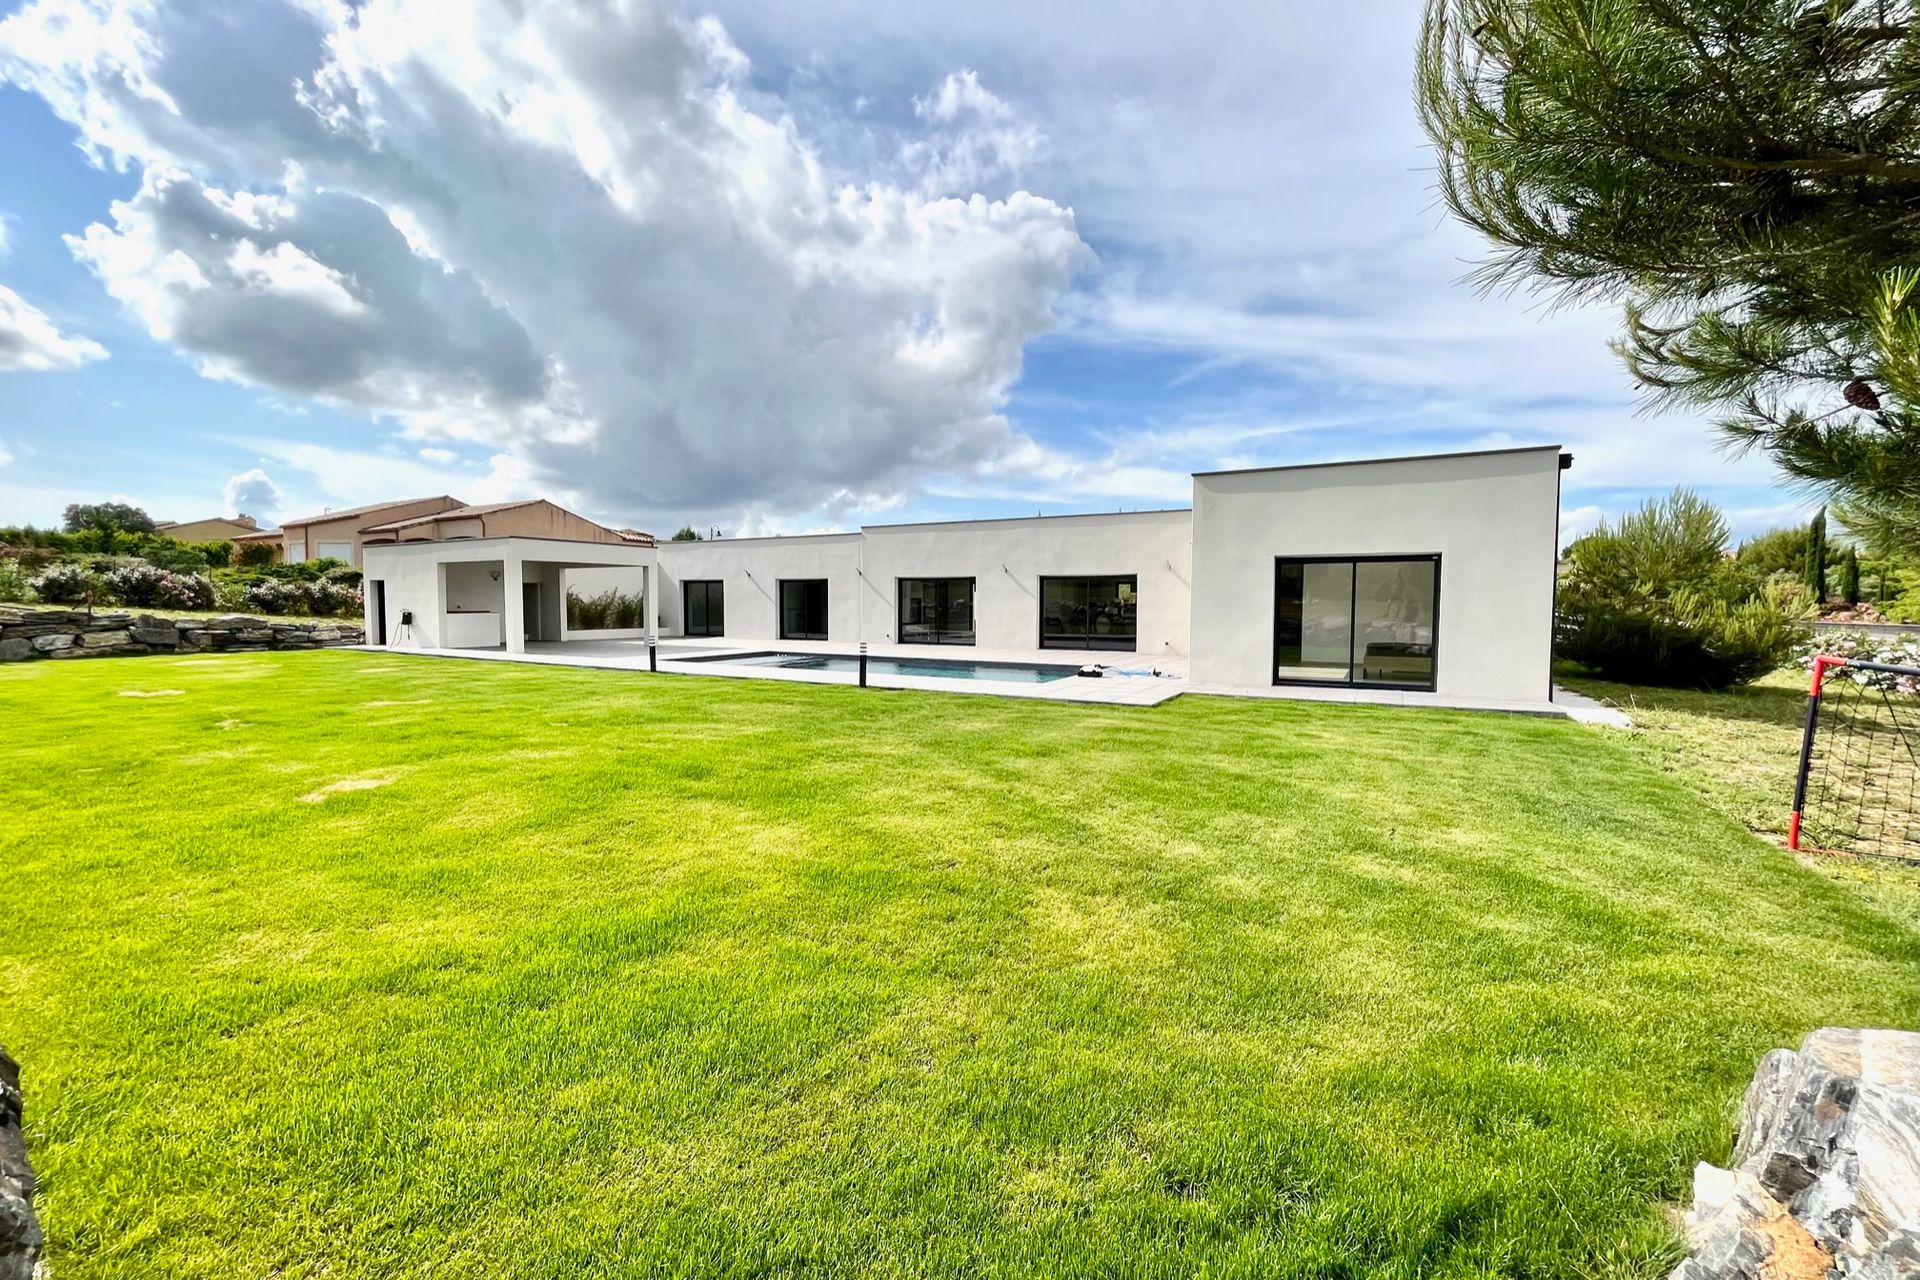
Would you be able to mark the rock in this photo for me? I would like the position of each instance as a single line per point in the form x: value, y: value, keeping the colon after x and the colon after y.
x: 165, y: 636
x: 1898, y: 1259
x: 1737, y: 1231
x: 255, y: 635
x: 21, y: 1240
x: 53, y: 642
x: 104, y: 639
x: 15, y: 650
x: 326, y: 633
x: 1834, y: 1131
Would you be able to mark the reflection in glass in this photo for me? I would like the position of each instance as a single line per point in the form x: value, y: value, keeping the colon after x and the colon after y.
x: 1089, y: 613
x: 1393, y: 621
x: 1314, y: 621
x: 936, y: 611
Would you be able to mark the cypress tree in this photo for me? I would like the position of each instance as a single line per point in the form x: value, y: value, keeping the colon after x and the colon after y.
x: 1816, y: 562
x: 1850, y: 577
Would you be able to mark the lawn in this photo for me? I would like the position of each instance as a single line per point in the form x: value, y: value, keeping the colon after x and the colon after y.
x: 338, y: 964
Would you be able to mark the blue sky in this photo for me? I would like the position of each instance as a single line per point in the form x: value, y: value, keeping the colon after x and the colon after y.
x: 767, y: 267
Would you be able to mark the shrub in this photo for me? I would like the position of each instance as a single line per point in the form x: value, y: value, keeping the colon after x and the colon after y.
x: 13, y: 579
x: 271, y: 596
x: 609, y: 611
x: 62, y: 582
x: 147, y: 586
x: 330, y: 597
x: 1653, y: 600
x: 252, y: 555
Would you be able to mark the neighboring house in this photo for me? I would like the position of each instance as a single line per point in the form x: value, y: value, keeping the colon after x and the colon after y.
x: 342, y: 535
x: 213, y: 529
x: 1428, y: 573
x: 533, y: 518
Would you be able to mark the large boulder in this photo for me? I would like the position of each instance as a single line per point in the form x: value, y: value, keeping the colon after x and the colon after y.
x: 1827, y: 1165
x: 1737, y: 1231
x: 20, y: 1238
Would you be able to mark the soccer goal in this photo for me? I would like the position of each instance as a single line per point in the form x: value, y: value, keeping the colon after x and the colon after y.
x: 1859, y: 785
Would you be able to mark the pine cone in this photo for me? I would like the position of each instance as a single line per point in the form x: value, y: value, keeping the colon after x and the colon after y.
x: 1861, y: 396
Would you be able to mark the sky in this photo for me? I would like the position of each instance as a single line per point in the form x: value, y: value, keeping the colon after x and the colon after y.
x: 757, y: 265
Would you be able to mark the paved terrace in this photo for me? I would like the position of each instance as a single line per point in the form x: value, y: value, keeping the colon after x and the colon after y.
x: 1111, y: 689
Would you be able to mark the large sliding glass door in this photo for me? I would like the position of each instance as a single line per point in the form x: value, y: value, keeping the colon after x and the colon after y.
x: 803, y: 609
x: 705, y: 607
x: 1089, y: 613
x: 1369, y: 621
x: 936, y: 611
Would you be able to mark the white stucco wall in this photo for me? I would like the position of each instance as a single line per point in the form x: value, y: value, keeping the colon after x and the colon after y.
x: 430, y: 578
x: 1006, y: 559
x: 751, y: 568
x: 1492, y: 518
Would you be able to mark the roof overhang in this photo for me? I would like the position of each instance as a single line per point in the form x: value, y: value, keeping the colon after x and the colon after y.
x: 566, y: 553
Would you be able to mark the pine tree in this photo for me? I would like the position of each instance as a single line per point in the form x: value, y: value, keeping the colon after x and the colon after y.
x: 1742, y: 176
x: 1850, y: 577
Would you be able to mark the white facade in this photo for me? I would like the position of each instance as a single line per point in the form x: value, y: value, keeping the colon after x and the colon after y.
x: 1446, y: 564
x: 1493, y: 519
x: 481, y: 593
x: 1006, y: 559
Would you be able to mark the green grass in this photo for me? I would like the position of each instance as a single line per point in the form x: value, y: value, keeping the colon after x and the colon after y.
x: 600, y: 974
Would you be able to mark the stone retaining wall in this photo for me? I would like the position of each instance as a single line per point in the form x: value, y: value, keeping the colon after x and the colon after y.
x: 61, y: 633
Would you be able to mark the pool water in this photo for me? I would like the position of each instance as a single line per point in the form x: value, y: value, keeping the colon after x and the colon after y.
x: 939, y: 668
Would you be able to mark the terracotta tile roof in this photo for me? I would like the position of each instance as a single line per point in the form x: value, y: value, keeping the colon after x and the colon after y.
x: 372, y: 509
x: 457, y: 513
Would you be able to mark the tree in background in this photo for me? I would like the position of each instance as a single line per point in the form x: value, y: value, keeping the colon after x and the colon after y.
x: 1775, y: 551
x: 1850, y: 577
x: 114, y: 517
x: 1743, y: 175
x: 1654, y: 599
x: 688, y: 534
x: 1815, y: 572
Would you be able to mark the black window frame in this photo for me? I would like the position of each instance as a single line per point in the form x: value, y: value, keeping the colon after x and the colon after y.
x: 900, y: 610
x: 780, y: 603
x: 1353, y: 606
x: 711, y: 587
x: 1086, y: 640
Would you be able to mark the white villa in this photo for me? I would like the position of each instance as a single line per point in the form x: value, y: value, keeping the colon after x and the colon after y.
x: 1426, y: 575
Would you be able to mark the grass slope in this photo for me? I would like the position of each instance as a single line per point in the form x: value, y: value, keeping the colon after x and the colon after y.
x: 336, y: 964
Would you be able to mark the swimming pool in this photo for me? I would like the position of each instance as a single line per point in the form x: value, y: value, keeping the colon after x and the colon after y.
x: 939, y: 668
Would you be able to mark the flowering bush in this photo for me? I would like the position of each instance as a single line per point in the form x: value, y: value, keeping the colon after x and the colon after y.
x: 271, y: 596
x: 143, y: 585
x: 1896, y: 651
x: 13, y: 579
x: 62, y: 582
x: 330, y: 597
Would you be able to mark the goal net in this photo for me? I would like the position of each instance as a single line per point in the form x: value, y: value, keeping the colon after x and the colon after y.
x: 1858, y: 790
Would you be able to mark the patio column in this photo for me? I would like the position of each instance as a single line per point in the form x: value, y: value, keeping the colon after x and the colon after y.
x: 649, y: 580
x: 514, y: 612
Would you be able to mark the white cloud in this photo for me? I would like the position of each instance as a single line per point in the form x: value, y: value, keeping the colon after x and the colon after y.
x: 29, y: 340
x: 437, y: 455
x: 253, y: 493
x: 5, y: 457
x: 573, y: 236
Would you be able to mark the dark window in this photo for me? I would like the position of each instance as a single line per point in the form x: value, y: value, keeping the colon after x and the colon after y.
x: 1371, y: 621
x: 803, y: 609
x: 706, y: 611
x: 1090, y: 613
x: 936, y: 611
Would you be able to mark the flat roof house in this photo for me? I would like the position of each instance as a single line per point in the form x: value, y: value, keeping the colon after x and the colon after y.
x: 1431, y: 574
